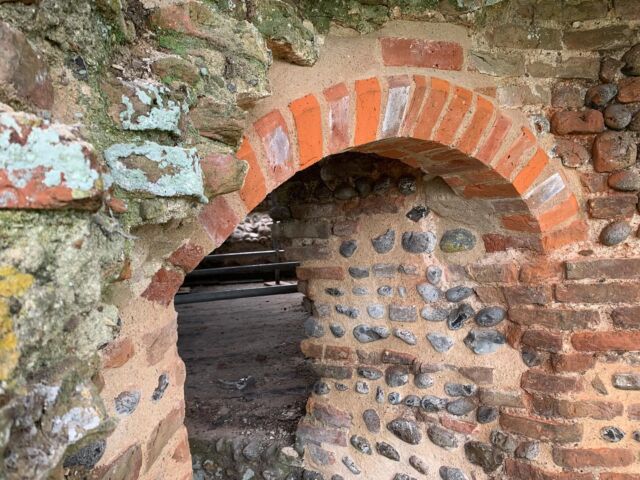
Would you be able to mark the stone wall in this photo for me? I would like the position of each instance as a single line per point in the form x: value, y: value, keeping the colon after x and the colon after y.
x: 135, y: 135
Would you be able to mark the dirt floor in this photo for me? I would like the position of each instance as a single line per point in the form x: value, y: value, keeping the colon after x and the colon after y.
x: 246, y: 375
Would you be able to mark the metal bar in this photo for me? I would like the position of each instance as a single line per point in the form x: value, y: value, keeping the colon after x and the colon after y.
x: 263, y: 267
x: 231, y: 256
x: 185, y: 298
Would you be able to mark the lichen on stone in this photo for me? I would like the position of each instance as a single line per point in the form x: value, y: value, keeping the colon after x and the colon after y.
x: 156, y: 169
x: 161, y: 113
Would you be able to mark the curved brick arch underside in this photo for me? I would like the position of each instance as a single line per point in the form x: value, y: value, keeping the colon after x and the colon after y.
x: 444, y: 129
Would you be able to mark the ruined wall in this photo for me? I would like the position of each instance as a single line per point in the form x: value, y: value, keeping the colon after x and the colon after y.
x: 101, y: 220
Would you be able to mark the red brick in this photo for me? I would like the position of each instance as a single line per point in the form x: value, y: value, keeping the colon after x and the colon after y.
x: 490, y: 190
x: 629, y: 90
x: 568, y: 122
x: 613, y: 206
x: 164, y: 286
x: 633, y: 411
x: 543, y: 430
x: 161, y: 435
x: 368, y: 97
x: 494, y: 242
x: 593, y: 457
x: 543, y: 382
x: 562, y: 319
x: 338, y: 100
x: 456, y: 111
x: 517, y: 154
x: 320, y: 273
x: 606, y: 341
x: 496, y: 398
x: 621, y: 268
x: 308, y: 120
x: 488, y: 294
x: 613, y: 151
x: 572, y: 409
x: 479, y: 375
x: 594, y: 182
x: 495, y: 138
x: 187, y: 256
x: 308, y: 433
x: 483, y: 113
x: 158, y: 342
x: 494, y: 272
x: 520, y: 470
x: 411, y: 52
x: 126, y: 466
x: 541, y: 271
x: 276, y: 143
x: 219, y: 219
x: 528, y: 294
x: 222, y: 173
x: 614, y: 292
x: 571, y: 152
x: 397, y: 358
x: 626, y: 317
x: 328, y: 415
x: 571, y: 234
x: 456, y: 425
x: 181, y: 453
x: 543, y: 340
x: 619, y: 476
x: 432, y: 108
x: 572, y: 362
x: 117, y: 353
x: 254, y: 189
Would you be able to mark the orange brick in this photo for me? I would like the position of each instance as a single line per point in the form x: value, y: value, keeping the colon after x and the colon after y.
x: 517, y: 153
x: 558, y: 214
x: 479, y: 122
x: 276, y: 142
x: 368, y: 96
x: 421, y: 86
x: 415, y: 52
x: 337, y: 98
x: 493, y: 142
x: 528, y: 175
x: 456, y: 111
x: 573, y: 233
x: 308, y: 120
x: 432, y: 108
x: 254, y: 189
x: 490, y: 190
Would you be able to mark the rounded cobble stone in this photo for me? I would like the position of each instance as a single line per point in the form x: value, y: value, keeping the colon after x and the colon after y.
x: 459, y: 293
x: 490, y: 316
x: 457, y: 240
x: 418, y: 242
x: 615, y: 233
x: 384, y: 243
x: 348, y: 248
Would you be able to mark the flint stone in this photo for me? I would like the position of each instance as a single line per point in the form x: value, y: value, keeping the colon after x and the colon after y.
x: 433, y: 404
x: 334, y: 292
x: 451, y: 473
x: 358, y: 272
x: 361, y: 444
x: 460, y: 390
x: 490, y: 316
x: 313, y: 328
x: 423, y: 380
x: 442, y: 437
x: 598, y: 96
x: 127, y: 402
x: 405, y: 335
x: 385, y: 290
x: 611, y: 434
x: 384, y: 270
x: 461, y: 406
x: 440, y: 343
x: 403, y: 476
x: 406, y: 430
x: 528, y: 450
x: 428, y: 292
x: 348, y: 248
x: 419, y: 242
x: 337, y: 330
x: 362, y: 387
x: 434, y: 314
x: 395, y: 398
x: 434, y: 274
x: 459, y: 293
x: 351, y: 465
x: 366, y: 334
x: 419, y: 464
x: 375, y: 311
x: 457, y: 240
x: 459, y: 316
x: 371, y: 420
x: 615, y: 233
x: 484, y: 455
x: 388, y: 451
x: 407, y: 185
x: 417, y: 213
x: 505, y: 442
x: 370, y: 373
x: 88, y: 456
x: 396, y: 376
x: 351, y: 312
x: 384, y: 243
x: 487, y: 414
x: 359, y: 291
x: 483, y: 342
x: 379, y: 395
x: 412, y: 401
x: 321, y: 388
x: 626, y: 381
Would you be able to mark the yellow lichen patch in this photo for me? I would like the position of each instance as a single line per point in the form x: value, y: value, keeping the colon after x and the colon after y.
x: 12, y: 284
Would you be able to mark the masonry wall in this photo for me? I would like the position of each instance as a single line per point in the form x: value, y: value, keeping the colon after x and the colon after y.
x: 97, y: 232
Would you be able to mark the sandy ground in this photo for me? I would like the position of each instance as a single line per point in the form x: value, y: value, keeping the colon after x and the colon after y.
x: 245, y: 372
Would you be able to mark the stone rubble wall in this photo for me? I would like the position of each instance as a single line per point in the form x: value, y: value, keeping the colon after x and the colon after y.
x: 125, y: 126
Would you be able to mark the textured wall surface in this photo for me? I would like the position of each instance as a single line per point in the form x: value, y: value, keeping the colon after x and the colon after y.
x: 136, y: 134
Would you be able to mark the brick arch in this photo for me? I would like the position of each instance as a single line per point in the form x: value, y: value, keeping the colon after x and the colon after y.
x: 430, y: 123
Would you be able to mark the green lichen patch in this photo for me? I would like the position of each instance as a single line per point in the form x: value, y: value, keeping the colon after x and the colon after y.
x: 156, y: 169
